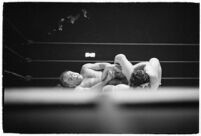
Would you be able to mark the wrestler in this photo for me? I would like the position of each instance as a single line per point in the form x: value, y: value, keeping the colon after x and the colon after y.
x: 90, y: 76
x: 144, y: 74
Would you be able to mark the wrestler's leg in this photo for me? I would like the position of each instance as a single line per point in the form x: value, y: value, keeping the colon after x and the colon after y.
x: 126, y: 66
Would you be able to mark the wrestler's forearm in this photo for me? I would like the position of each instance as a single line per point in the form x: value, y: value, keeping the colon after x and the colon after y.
x: 89, y: 70
x: 90, y: 73
x: 101, y: 84
x: 95, y: 66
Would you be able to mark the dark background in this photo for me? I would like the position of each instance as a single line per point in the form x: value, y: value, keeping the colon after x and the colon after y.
x: 34, y: 54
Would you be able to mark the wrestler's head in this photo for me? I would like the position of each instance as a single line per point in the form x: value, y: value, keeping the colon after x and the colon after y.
x: 70, y: 79
x: 138, y: 78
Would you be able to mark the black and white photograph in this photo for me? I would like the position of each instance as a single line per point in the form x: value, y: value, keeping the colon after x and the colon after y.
x: 100, y: 67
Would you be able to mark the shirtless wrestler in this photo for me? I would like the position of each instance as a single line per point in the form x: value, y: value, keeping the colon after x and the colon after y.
x: 90, y: 76
x: 144, y: 74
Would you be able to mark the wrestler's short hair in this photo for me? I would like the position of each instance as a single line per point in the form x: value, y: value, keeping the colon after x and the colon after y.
x: 138, y: 78
x: 61, y: 78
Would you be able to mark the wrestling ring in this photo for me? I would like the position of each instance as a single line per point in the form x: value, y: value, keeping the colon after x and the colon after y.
x: 170, y: 109
x: 34, y: 101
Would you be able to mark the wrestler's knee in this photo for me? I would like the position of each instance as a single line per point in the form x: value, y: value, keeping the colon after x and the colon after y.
x: 120, y: 56
x: 154, y: 61
x: 120, y: 59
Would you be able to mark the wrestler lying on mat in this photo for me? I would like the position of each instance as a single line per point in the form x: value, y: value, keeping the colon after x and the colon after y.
x: 143, y: 74
x: 99, y: 75
x: 90, y: 76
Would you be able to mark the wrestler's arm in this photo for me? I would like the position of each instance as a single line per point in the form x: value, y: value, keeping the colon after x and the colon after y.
x: 89, y: 69
x: 153, y: 69
x: 101, y: 84
x: 96, y: 87
x: 108, y: 69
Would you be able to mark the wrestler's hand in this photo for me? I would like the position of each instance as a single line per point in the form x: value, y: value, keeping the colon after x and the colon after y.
x: 109, y: 77
x: 117, y: 67
x: 108, y: 70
